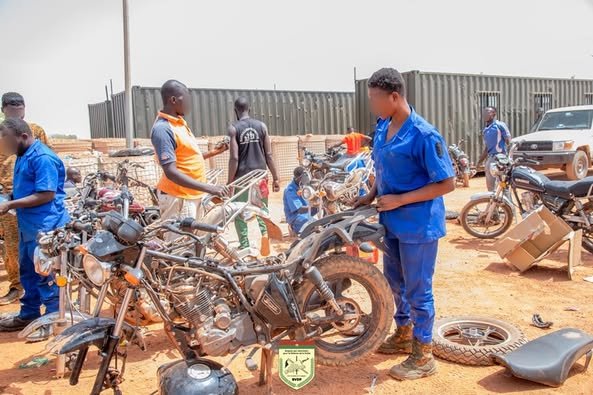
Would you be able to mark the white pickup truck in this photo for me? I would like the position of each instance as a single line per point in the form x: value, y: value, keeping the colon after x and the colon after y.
x: 563, y: 139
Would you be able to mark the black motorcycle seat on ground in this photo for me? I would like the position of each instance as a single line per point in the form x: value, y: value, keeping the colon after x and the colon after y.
x: 548, y: 359
x: 565, y: 189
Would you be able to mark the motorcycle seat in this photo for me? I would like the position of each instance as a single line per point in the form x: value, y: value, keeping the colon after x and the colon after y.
x: 340, y: 163
x: 567, y: 189
x: 548, y: 359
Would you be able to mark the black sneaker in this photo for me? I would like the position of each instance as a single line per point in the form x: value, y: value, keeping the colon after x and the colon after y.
x: 12, y: 296
x: 13, y: 324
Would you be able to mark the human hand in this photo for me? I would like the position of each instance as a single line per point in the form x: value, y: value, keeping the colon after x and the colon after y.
x: 220, y: 191
x: 363, y: 201
x: 4, y: 207
x: 389, y: 202
x: 276, y: 186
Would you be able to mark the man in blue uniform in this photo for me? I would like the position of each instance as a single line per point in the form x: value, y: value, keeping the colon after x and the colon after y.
x: 496, y: 139
x: 413, y: 172
x: 296, y: 209
x: 38, y: 198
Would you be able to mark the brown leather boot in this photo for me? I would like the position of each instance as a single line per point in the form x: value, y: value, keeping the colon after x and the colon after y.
x: 399, y: 342
x: 419, y: 364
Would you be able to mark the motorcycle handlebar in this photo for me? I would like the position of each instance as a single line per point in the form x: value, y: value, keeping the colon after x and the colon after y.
x: 79, y: 226
x: 190, y: 224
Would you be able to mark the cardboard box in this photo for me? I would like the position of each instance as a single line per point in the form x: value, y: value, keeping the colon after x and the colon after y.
x: 540, y: 233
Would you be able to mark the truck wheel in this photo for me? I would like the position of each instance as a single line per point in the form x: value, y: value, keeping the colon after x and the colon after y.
x: 579, y: 167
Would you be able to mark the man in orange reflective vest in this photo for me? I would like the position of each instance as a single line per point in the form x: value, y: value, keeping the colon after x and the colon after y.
x: 183, y: 183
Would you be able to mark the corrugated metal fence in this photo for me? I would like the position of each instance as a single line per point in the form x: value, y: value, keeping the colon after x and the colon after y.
x: 286, y: 113
x: 454, y: 102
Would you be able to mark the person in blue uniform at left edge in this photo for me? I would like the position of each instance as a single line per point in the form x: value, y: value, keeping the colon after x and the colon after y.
x: 413, y: 172
x: 38, y: 198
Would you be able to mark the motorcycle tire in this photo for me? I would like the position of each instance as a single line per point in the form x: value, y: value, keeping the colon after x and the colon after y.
x: 465, y: 212
x: 456, y: 339
x: 376, y: 326
x: 465, y: 180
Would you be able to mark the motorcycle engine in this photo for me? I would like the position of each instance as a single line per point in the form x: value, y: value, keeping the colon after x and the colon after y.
x: 217, y: 331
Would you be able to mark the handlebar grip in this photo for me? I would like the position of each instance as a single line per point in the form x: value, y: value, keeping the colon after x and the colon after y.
x: 189, y: 224
x: 79, y: 226
x: 107, y: 176
x: 92, y: 202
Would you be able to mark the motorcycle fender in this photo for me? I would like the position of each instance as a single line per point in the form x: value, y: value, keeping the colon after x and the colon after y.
x: 489, y: 195
x: 51, y: 319
x: 93, y: 331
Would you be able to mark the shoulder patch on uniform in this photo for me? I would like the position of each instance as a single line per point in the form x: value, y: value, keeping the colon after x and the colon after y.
x: 439, y: 148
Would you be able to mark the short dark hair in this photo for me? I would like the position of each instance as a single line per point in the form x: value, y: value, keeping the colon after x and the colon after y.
x: 298, y: 171
x: 17, y: 125
x: 12, y: 99
x: 389, y: 80
x: 242, y: 104
x: 171, y: 88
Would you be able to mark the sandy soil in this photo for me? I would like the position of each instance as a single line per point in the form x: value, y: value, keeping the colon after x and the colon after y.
x: 471, y: 279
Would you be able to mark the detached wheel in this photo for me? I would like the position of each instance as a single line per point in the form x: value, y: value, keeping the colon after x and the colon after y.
x: 579, y: 167
x: 472, y: 340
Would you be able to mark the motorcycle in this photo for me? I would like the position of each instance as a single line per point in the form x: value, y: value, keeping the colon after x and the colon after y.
x: 337, y: 190
x: 341, y: 303
x: 490, y: 214
x: 318, y: 165
x: 464, y: 170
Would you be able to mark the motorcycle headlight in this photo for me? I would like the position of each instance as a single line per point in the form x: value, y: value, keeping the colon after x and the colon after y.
x: 494, y: 170
x: 98, y: 272
x: 307, y: 192
x: 305, y: 162
x: 43, y: 264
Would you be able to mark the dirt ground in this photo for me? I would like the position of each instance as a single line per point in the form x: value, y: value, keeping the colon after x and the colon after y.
x: 470, y: 279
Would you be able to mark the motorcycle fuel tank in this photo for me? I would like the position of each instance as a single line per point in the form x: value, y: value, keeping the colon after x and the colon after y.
x: 529, y: 179
x: 200, y: 376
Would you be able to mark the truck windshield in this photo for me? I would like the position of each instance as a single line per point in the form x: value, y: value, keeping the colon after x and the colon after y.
x: 567, y: 120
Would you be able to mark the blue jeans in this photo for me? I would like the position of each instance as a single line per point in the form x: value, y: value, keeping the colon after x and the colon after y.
x: 409, y: 269
x: 37, y: 288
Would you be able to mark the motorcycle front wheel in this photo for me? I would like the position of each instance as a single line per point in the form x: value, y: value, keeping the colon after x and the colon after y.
x: 364, y: 295
x: 473, y: 218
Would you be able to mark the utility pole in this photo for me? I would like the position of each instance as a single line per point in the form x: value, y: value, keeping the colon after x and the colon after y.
x: 128, y: 110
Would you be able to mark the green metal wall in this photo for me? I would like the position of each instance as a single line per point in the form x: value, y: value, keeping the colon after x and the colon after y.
x: 287, y: 113
x: 452, y: 102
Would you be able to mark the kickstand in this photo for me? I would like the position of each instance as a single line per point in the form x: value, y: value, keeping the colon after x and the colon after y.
x: 265, y: 373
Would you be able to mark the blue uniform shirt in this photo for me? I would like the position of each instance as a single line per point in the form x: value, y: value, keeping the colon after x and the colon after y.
x: 494, y: 137
x: 416, y: 156
x: 39, y: 170
x: 292, y: 203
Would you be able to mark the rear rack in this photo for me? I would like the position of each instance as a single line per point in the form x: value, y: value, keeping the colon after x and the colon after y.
x: 231, y: 207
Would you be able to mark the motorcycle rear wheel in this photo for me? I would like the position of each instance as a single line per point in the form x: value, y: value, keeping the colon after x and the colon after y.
x: 375, y: 324
x: 471, y: 214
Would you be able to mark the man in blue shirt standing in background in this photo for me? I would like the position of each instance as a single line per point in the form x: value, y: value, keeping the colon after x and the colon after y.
x: 413, y: 172
x: 496, y: 139
x: 38, y: 198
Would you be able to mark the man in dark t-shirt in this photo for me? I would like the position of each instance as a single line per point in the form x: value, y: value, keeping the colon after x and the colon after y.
x: 251, y: 149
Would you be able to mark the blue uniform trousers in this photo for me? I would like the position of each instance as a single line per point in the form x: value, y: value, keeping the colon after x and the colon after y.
x: 37, y: 288
x: 409, y: 269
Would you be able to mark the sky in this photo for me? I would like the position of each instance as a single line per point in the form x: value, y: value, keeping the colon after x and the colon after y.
x: 60, y: 54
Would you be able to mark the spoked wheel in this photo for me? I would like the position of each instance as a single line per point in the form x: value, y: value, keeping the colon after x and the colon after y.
x: 472, y: 340
x: 474, y: 218
x: 366, y: 300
